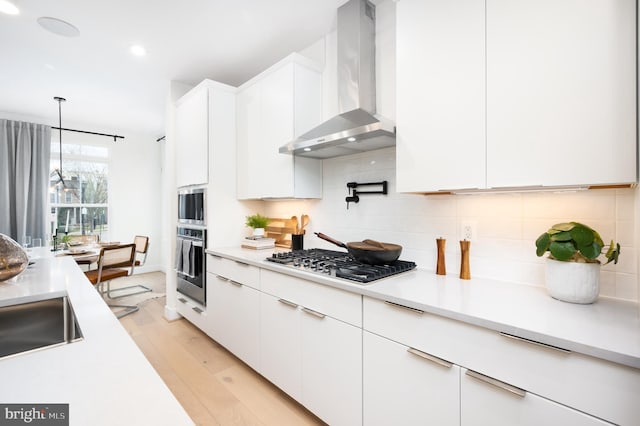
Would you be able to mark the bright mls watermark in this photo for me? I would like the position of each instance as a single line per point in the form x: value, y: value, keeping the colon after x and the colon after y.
x: 34, y: 414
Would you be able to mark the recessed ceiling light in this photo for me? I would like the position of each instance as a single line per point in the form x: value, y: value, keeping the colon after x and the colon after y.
x: 351, y: 139
x: 138, y: 50
x: 58, y: 26
x: 307, y: 149
x: 9, y: 8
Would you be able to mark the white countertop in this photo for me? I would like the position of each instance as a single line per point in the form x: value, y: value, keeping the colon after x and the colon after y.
x: 105, y: 378
x: 608, y: 329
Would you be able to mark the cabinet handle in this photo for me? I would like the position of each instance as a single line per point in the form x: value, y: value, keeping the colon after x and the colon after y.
x: 397, y: 305
x: 241, y: 263
x: 533, y: 342
x: 215, y: 255
x: 198, y: 310
x: 221, y: 278
x: 314, y: 313
x: 497, y: 383
x: 182, y: 299
x: 288, y: 303
x: 429, y: 357
x: 236, y: 283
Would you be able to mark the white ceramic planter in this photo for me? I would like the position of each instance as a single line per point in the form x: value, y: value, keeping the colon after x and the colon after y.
x: 572, y: 281
x: 258, y: 232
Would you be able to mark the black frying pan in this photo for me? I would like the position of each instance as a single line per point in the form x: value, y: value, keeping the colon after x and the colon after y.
x: 368, y: 251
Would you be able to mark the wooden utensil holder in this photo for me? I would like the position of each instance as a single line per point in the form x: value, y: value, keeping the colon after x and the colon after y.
x: 441, y: 267
x: 465, y: 271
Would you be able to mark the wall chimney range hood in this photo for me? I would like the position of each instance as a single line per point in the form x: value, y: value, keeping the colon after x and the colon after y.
x: 357, y: 128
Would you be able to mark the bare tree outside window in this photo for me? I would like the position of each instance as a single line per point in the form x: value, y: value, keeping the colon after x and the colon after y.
x: 80, y: 207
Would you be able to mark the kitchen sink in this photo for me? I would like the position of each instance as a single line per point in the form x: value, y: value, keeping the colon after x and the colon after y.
x: 37, y: 325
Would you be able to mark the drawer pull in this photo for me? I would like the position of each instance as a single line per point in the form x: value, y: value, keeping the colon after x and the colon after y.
x: 431, y: 358
x: 182, y: 299
x: 497, y: 383
x: 314, y: 313
x: 286, y: 302
x: 241, y: 263
x: 221, y: 278
x: 533, y: 342
x: 236, y: 283
x: 397, y: 305
x: 197, y: 310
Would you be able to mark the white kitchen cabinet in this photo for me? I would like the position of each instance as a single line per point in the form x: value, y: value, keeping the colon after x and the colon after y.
x: 549, y: 100
x: 272, y: 109
x: 404, y: 386
x: 233, y: 307
x: 561, y: 92
x: 281, y: 349
x: 586, y: 384
x: 486, y: 401
x: 314, y: 357
x: 331, y: 369
x: 440, y: 99
x: 192, y: 137
x: 193, y: 311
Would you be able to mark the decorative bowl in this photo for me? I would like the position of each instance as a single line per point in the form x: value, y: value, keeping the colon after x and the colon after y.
x: 13, y: 259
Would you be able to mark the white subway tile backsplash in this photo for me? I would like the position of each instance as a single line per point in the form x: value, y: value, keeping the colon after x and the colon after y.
x: 507, y: 225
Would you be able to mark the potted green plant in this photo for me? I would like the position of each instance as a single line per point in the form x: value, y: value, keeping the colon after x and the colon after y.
x: 573, y: 268
x: 258, y: 223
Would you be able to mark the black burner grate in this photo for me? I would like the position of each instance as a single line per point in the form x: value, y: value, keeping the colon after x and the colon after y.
x: 339, y: 264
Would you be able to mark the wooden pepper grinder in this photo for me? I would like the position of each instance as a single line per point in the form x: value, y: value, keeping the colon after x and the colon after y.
x: 465, y: 271
x: 441, y: 268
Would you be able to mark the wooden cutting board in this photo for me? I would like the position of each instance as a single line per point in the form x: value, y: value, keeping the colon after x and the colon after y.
x: 281, y: 229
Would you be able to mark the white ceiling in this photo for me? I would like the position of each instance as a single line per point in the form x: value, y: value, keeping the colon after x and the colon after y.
x: 107, y: 88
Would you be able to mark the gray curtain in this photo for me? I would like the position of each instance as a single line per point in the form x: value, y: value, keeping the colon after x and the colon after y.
x: 25, y: 150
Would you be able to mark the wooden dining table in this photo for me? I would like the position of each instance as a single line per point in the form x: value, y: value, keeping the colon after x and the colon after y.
x: 86, y: 256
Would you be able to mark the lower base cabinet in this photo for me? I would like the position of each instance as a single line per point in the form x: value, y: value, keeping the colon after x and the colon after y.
x: 486, y: 401
x: 233, y: 310
x: 331, y: 369
x: 403, y: 386
x: 314, y: 358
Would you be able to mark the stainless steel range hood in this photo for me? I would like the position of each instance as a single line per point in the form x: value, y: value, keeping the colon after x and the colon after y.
x: 357, y: 128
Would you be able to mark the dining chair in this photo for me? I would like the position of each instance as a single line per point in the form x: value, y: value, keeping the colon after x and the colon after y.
x: 142, y: 246
x: 114, y: 262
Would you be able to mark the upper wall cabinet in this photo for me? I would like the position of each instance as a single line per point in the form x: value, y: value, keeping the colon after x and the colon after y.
x: 548, y: 99
x: 561, y: 92
x: 440, y: 103
x: 192, y: 137
x: 272, y: 109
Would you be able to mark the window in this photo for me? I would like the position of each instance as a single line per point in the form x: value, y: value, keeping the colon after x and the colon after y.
x: 80, y: 207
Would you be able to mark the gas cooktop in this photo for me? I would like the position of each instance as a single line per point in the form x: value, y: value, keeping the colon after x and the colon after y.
x: 339, y: 264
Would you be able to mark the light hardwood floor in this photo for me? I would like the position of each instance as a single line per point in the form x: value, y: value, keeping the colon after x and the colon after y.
x: 213, y: 386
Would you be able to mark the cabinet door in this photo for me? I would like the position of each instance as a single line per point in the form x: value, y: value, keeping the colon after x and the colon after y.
x: 248, y: 159
x: 406, y: 387
x: 440, y: 85
x: 486, y: 402
x: 332, y: 369
x: 561, y: 92
x: 280, y: 345
x: 233, y: 310
x: 192, y: 138
x: 277, y: 111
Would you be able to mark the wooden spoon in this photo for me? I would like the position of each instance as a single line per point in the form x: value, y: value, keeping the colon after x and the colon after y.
x: 295, y: 218
x: 305, y: 222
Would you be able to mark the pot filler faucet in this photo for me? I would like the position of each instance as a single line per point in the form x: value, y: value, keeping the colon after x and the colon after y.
x: 354, y: 194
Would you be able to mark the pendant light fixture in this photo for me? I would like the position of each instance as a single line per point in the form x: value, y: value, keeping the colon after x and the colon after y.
x: 59, y: 169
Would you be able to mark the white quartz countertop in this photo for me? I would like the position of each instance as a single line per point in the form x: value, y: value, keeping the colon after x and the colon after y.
x: 608, y: 329
x: 105, y: 378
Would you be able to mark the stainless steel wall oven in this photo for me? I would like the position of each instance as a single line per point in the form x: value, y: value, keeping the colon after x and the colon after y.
x: 190, y: 258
